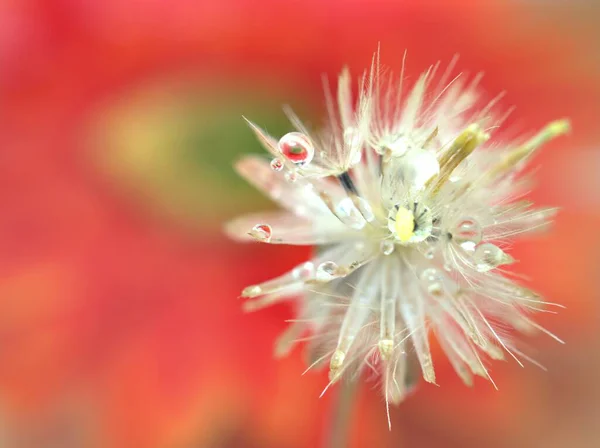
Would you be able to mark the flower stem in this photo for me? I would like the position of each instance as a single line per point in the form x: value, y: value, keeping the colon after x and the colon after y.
x: 341, y: 415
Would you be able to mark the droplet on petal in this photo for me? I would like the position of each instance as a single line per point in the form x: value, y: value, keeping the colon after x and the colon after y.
x: 261, y: 232
x: 432, y: 281
x: 387, y: 247
x: 327, y: 271
x: 297, y: 148
x: 304, y: 272
x: 276, y: 165
x: 467, y: 233
x: 430, y: 253
x: 488, y: 256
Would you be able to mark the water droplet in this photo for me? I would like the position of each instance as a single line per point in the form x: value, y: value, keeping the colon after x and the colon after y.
x: 387, y: 247
x: 261, y: 232
x: 352, y: 216
x: 488, y: 256
x: 430, y: 253
x: 327, y: 271
x: 304, y: 271
x: 432, y: 281
x: 276, y: 165
x: 291, y: 176
x: 297, y: 148
x: 413, y: 169
x: 467, y: 233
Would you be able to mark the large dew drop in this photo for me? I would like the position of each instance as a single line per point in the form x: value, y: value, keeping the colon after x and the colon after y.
x: 488, y: 256
x: 413, y: 169
x: 297, y: 148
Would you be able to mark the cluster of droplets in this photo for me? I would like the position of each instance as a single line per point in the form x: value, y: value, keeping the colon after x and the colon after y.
x: 412, y: 242
x: 468, y: 235
x: 323, y: 273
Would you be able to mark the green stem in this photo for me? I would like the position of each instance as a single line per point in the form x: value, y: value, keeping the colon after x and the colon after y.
x: 341, y: 415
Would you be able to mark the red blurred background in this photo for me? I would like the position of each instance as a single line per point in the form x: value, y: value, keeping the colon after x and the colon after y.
x: 119, y: 122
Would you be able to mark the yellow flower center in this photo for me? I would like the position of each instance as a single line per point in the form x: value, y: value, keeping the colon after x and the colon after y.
x: 405, y: 224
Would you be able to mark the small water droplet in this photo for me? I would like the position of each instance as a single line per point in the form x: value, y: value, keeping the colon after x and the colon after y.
x: 304, y: 272
x: 276, y: 165
x: 291, y: 176
x: 327, y: 271
x: 261, y: 232
x: 430, y: 253
x: 432, y: 281
x: 297, y: 148
x: 387, y: 247
x: 467, y: 233
x: 488, y: 256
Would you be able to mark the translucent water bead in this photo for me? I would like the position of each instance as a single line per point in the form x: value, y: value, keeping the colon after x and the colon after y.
x: 261, y: 232
x: 327, y: 271
x: 467, y: 233
x: 276, y: 165
x: 387, y: 247
x: 297, y: 148
x: 488, y: 256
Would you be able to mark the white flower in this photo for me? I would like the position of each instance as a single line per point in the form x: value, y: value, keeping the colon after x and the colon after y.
x: 410, y: 204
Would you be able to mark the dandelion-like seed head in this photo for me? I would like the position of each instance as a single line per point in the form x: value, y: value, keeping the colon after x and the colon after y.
x: 411, y: 205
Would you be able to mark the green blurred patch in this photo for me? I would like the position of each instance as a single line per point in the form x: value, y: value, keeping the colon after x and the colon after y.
x: 170, y: 147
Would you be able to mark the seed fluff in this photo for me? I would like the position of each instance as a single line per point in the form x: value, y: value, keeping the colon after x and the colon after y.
x: 411, y: 206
